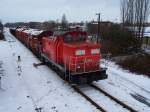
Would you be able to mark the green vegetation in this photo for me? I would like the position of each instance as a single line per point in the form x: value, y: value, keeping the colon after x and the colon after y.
x: 118, y: 41
x: 115, y: 39
x: 139, y: 63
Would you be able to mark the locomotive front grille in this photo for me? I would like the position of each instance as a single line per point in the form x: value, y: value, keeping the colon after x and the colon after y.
x: 83, y: 65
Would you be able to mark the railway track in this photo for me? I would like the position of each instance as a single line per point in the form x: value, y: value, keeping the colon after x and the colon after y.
x: 97, y: 105
x: 131, y: 82
x: 124, y: 78
x: 77, y: 89
x: 114, y: 98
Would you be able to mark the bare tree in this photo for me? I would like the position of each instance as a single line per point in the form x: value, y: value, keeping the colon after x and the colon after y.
x: 64, y: 22
x: 145, y: 14
x: 123, y: 11
x: 1, y: 26
x: 135, y: 14
x: 1, y: 30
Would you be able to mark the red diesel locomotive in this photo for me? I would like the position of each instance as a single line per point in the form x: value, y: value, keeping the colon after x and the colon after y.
x: 70, y: 52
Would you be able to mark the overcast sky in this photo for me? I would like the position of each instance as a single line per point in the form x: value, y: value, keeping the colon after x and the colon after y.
x: 75, y: 10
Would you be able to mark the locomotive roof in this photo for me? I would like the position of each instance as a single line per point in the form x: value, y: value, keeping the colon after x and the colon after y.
x: 83, y: 44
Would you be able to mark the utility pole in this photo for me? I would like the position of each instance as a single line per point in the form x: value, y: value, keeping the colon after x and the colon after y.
x: 98, y: 27
x: 57, y: 24
x: 0, y: 83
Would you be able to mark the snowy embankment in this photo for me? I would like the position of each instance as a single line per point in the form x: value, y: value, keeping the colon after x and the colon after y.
x: 130, y: 88
x: 25, y: 87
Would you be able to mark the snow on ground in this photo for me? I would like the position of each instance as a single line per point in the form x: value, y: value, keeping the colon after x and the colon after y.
x: 133, y: 89
x: 105, y: 102
x: 12, y: 94
x: 25, y: 87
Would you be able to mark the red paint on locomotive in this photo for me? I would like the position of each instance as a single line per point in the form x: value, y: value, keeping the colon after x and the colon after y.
x: 77, y: 58
x: 73, y: 51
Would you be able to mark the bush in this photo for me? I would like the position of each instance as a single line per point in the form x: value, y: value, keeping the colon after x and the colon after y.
x: 117, y: 41
x: 139, y: 63
x: 1, y: 37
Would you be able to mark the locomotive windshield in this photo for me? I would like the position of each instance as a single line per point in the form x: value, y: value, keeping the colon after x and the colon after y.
x: 80, y: 38
x: 74, y: 38
x: 68, y: 38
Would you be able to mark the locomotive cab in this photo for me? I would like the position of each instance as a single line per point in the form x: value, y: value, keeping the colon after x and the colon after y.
x: 77, y: 58
x: 81, y: 58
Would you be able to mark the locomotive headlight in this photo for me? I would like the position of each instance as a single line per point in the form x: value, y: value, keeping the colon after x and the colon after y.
x: 78, y: 66
x: 80, y: 52
x: 95, y: 51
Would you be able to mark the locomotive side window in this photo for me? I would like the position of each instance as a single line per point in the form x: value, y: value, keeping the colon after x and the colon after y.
x: 68, y: 38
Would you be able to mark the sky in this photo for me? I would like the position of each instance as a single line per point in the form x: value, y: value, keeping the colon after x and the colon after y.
x: 44, y: 10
